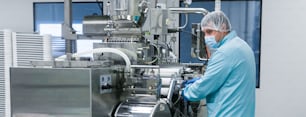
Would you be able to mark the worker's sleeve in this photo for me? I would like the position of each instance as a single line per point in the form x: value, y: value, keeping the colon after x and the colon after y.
x: 216, y: 74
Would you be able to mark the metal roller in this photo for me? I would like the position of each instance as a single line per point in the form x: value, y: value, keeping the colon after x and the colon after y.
x: 143, y: 106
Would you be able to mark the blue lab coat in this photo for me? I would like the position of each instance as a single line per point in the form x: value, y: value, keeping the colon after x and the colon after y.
x: 229, y: 81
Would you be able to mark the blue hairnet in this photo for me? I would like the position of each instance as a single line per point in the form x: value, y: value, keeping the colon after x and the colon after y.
x: 216, y: 20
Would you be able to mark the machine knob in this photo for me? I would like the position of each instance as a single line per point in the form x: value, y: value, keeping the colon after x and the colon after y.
x: 107, y: 86
x: 103, y: 87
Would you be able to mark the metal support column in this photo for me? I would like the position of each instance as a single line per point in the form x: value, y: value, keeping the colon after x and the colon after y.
x: 68, y: 33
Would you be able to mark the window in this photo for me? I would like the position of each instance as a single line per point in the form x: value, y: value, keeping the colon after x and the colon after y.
x: 49, y: 16
x: 245, y: 17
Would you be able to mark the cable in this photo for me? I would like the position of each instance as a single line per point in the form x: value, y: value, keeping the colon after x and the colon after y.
x: 150, y: 62
x: 176, y: 109
x: 181, y: 113
x: 177, y: 100
x: 188, y: 33
x: 199, y: 107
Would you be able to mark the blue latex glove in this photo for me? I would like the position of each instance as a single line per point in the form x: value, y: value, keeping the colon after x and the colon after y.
x: 189, y: 82
x: 182, y: 94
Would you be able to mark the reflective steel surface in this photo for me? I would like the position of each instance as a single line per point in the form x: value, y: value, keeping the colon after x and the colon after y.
x: 60, y: 92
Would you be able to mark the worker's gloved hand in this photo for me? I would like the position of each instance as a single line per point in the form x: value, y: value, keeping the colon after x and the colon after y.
x: 186, y: 84
x: 189, y: 82
x: 182, y: 94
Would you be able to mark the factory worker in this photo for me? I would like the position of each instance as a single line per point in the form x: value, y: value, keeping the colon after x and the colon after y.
x: 229, y: 81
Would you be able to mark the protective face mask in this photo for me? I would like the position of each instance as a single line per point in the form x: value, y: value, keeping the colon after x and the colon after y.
x: 211, y: 43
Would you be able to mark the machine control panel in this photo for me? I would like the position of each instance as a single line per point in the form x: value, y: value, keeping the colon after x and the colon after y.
x: 105, y: 84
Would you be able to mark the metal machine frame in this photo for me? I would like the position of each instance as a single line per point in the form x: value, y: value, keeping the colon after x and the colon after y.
x: 134, y: 72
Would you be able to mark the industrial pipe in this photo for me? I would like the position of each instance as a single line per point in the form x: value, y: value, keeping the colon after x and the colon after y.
x: 189, y: 10
x: 101, y: 50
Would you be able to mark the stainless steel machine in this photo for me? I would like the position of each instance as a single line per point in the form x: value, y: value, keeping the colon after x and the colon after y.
x: 134, y: 72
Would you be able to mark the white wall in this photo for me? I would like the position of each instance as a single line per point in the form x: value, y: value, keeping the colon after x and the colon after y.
x: 16, y: 15
x: 283, y: 72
